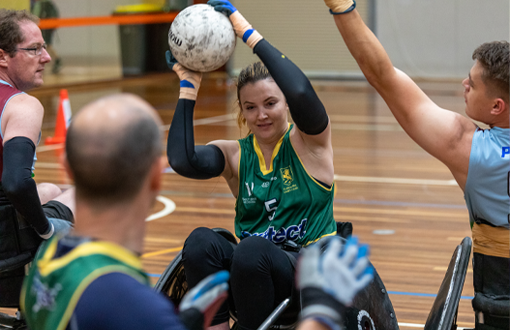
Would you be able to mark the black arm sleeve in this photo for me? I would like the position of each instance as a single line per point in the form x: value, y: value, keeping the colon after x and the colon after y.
x: 186, y: 159
x: 18, y: 185
x: 305, y: 107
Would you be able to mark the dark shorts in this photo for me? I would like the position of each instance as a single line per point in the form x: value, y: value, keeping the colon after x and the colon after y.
x: 55, y: 209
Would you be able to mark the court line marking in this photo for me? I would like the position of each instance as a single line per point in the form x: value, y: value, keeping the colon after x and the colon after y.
x: 49, y: 165
x: 431, y: 295
x: 416, y: 325
x: 207, y: 121
x: 400, y: 204
x: 157, y: 253
x: 169, y: 208
x: 49, y: 147
x: 373, y: 179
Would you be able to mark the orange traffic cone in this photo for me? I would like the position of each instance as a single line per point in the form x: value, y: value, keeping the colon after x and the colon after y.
x: 63, y: 119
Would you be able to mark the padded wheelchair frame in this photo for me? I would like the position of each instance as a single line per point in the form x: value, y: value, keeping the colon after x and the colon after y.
x: 372, y: 308
x: 12, y: 264
x: 443, y: 315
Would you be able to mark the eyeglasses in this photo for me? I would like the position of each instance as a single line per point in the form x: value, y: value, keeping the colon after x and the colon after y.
x: 35, y: 51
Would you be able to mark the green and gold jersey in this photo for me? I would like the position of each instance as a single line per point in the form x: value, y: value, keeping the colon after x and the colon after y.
x: 283, y: 203
x: 55, y: 284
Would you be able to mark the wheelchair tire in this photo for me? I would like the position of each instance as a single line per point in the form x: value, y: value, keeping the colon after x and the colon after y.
x: 173, y: 281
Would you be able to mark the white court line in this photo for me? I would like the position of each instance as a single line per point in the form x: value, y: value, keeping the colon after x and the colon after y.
x: 48, y: 165
x: 345, y: 178
x: 363, y: 119
x: 207, y: 121
x: 367, y: 127
x: 169, y: 204
x: 372, y: 179
x: 169, y: 208
x: 49, y: 147
x: 415, y: 325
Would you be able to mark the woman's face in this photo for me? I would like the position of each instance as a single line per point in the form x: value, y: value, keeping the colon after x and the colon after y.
x: 264, y: 107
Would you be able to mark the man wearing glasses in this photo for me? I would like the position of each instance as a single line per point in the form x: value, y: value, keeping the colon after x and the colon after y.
x: 29, y: 213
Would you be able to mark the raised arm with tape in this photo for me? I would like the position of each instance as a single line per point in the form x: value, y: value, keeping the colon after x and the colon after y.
x: 305, y: 107
x: 186, y: 159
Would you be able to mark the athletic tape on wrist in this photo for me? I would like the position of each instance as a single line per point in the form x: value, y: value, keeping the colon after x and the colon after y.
x: 188, y: 93
x: 244, y: 30
x: 348, y: 10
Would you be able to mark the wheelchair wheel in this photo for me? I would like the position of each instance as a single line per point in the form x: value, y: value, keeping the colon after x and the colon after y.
x: 443, y: 315
x: 8, y: 322
x: 173, y: 281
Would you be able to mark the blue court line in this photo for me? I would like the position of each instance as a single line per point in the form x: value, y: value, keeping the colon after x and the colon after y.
x: 422, y: 294
x: 402, y: 204
x: 344, y: 201
x: 416, y: 294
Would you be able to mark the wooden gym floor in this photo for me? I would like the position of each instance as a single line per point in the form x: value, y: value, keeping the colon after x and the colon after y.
x: 401, y: 201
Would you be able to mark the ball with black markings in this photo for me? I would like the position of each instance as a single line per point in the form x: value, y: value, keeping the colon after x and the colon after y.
x: 201, y: 39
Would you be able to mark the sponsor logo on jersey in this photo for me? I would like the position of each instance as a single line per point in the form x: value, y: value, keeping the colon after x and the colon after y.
x: 286, y: 173
x: 44, y: 296
x: 291, y: 233
x: 505, y: 151
x: 288, y: 180
x: 249, y: 199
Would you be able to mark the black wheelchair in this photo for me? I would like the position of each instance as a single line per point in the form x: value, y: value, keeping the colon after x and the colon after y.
x: 17, y: 249
x: 371, y: 309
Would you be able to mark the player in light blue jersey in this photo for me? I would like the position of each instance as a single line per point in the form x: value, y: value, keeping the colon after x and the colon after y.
x: 478, y: 158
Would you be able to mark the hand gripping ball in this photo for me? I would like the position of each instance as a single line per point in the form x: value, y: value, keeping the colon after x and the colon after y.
x: 201, y: 39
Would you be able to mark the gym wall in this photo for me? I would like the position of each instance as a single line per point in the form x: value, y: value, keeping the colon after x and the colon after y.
x: 425, y: 38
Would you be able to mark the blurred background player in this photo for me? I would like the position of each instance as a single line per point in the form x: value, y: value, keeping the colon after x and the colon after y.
x: 281, y: 175
x: 93, y: 278
x: 48, y: 9
x: 23, y: 57
x: 479, y: 159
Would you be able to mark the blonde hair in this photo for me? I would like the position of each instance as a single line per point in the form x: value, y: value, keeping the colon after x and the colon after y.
x: 249, y: 75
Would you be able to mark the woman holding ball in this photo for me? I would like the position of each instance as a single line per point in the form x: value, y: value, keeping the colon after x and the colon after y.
x: 281, y: 175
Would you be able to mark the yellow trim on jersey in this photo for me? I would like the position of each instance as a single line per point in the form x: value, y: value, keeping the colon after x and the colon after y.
x: 332, y: 234
x: 260, y: 155
x: 47, y: 265
x: 86, y: 282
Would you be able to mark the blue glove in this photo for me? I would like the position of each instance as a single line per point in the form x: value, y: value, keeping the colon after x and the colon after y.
x: 223, y: 6
x: 199, y: 305
x: 329, y: 281
x: 170, y: 59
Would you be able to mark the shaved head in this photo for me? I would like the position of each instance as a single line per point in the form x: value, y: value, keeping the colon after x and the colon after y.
x: 111, y: 146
